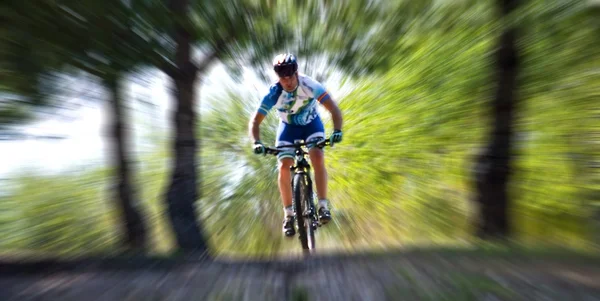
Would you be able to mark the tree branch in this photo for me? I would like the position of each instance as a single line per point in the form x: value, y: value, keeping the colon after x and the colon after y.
x: 163, y: 64
x: 79, y: 65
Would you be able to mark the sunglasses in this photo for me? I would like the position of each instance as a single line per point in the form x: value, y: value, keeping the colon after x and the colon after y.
x: 284, y: 71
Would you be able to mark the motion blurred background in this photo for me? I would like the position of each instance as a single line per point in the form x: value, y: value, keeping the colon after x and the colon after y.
x: 123, y: 124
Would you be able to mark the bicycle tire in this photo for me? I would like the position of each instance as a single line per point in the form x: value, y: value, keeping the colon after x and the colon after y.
x: 302, y: 200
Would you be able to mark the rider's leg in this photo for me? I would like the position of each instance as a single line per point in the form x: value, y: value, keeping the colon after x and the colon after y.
x: 315, y: 132
x: 285, y: 180
x: 317, y: 159
x: 285, y: 190
x: 286, y: 134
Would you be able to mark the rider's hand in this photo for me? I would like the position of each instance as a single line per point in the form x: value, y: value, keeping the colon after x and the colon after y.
x: 259, y: 148
x: 335, y: 137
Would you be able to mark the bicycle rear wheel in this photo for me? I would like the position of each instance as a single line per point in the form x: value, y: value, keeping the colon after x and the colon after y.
x: 304, y: 211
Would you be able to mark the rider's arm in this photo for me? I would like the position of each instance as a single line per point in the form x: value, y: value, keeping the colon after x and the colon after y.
x: 323, y: 97
x: 336, y: 113
x: 261, y: 112
x: 254, y: 126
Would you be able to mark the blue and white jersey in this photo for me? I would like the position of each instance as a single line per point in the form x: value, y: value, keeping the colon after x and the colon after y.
x: 298, y: 107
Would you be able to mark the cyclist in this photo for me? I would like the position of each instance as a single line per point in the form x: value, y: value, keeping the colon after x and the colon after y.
x: 295, y: 96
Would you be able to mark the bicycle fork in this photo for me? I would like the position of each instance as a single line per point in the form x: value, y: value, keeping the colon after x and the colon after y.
x: 311, y: 212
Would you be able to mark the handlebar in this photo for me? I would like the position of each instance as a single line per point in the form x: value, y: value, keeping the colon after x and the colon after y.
x: 275, y: 151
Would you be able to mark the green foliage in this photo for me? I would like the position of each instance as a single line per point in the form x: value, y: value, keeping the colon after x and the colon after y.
x: 60, y: 214
x: 238, y: 209
x: 404, y: 172
x: 76, y: 212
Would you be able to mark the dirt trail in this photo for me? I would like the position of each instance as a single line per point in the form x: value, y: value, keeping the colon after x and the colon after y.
x: 397, y: 276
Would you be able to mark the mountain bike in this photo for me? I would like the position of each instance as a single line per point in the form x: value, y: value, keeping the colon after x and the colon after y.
x: 302, y: 191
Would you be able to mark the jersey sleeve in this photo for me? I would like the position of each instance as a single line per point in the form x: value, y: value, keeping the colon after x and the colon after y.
x: 319, y: 92
x: 269, y: 100
x: 322, y: 95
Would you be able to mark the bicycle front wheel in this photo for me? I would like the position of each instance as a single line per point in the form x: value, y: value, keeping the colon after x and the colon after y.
x: 304, y: 211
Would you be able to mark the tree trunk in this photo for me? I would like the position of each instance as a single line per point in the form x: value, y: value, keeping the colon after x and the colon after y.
x: 494, y: 165
x: 133, y: 223
x: 182, y: 193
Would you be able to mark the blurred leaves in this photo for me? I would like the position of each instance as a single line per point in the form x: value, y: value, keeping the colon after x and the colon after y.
x: 67, y: 215
x: 44, y: 40
x: 418, y: 76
